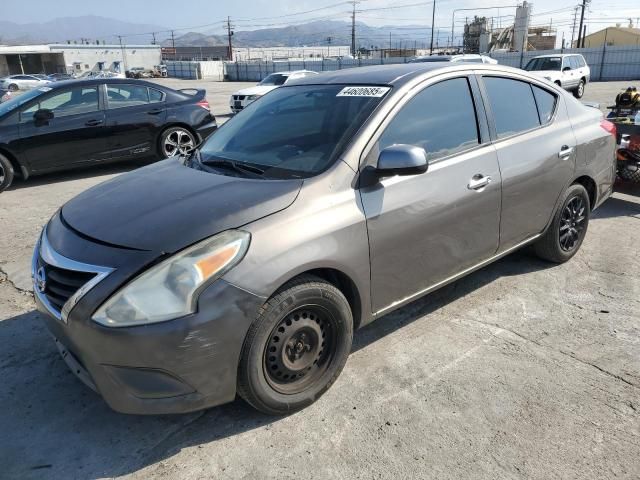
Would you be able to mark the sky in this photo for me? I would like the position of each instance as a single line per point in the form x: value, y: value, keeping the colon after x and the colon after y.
x: 208, y: 16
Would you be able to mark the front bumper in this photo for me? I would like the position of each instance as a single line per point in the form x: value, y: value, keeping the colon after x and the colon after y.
x: 177, y: 366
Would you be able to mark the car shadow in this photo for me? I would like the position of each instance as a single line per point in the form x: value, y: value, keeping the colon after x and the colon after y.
x: 80, y: 173
x: 620, y: 205
x: 53, y: 426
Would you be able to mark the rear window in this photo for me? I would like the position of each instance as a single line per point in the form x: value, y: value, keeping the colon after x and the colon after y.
x: 546, y: 102
x: 512, y: 104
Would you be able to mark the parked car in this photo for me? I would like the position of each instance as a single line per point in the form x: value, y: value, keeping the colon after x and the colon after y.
x: 138, y: 72
x: 244, y: 97
x: 468, y: 57
x: 22, y: 82
x: 569, y: 71
x: 245, y: 267
x: 76, y: 123
x: 57, y: 77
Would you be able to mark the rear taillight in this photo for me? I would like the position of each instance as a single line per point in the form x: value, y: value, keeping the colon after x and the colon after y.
x: 609, y: 127
x: 204, y: 104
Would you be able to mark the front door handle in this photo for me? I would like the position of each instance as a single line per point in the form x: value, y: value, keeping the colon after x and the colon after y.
x: 156, y: 111
x: 565, y: 152
x: 478, y: 182
x: 93, y: 123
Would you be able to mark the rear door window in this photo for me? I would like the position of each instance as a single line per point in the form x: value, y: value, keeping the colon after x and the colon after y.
x: 155, y: 95
x: 124, y: 95
x: 512, y: 104
x: 441, y: 119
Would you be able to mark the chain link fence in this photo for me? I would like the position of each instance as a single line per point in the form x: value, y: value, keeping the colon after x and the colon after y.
x: 606, y: 63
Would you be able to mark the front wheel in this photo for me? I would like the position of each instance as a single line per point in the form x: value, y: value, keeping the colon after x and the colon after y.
x: 579, y: 92
x: 296, y: 347
x: 13, y: 87
x: 565, y: 234
x: 176, y: 141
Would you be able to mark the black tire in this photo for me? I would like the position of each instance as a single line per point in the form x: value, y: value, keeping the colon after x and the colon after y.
x: 13, y: 87
x: 567, y: 230
x: 178, y: 134
x: 296, y: 347
x: 6, y: 173
x: 579, y: 91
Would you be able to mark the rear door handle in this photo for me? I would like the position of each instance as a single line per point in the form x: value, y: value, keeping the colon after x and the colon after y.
x: 93, y: 123
x: 565, y: 152
x: 478, y: 182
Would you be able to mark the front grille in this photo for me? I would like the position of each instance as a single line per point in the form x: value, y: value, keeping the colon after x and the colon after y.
x: 61, y: 284
x: 238, y: 97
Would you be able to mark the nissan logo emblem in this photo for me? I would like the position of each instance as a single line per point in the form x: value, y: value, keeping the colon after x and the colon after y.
x: 41, y: 280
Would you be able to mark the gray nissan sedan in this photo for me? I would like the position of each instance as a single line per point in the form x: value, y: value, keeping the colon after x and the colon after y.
x: 245, y: 266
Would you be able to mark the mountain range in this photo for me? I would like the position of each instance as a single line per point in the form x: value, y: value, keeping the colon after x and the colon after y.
x: 95, y: 28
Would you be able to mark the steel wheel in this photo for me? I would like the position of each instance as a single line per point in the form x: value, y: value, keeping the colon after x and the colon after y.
x: 178, y: 141
x: 299, y: 350
x: 572, y: 223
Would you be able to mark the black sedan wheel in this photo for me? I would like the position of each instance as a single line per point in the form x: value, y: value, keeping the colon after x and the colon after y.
x: 176, y: 141
x: 296, y: 348
x: 564, y: 236
x: 6, y: 173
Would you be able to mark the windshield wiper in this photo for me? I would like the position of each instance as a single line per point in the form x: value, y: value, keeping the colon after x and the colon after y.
x: 222, y: 162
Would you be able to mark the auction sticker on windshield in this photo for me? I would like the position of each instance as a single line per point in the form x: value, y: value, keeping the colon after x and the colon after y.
x: 364, y: 91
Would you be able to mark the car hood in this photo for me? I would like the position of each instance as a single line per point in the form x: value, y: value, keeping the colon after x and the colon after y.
x: 167, y: 206
x: 257, y: 90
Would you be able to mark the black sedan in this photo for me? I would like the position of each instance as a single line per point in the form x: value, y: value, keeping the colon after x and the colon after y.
x: 70, y: 124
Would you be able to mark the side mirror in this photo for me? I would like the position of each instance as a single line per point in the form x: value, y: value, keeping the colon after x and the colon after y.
x: 566, y: 69
x: 43, y: 116
x: 402, y: 160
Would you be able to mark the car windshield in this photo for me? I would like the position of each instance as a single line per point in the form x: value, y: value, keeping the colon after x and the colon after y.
x: 293, y: 132
x: 544, y: 63
x: 19, y: 100
x: 274, y: 79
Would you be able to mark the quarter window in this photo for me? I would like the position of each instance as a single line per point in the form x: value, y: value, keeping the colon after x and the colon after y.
x: 127, y: 95
x: 155, y: 95
x: 512, y: 104
x: 441, y: 119
x: 546, y: 103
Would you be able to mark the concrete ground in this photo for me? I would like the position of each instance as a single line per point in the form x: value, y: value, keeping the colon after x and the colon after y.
x: 521, y: 370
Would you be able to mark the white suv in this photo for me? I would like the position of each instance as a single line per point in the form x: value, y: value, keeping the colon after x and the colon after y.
x: 569, y: 71
x: 244, y: 97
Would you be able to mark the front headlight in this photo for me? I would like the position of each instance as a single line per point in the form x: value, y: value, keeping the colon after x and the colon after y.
x: 170, y: 289
x: 252, y: 97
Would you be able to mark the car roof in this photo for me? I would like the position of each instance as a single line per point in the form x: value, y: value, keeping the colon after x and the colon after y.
x: 556, y: 55
x: 108, y: 80
x: 291, y: 72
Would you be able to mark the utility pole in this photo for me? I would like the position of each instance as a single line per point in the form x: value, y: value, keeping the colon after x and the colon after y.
x: 583, y: 6
x: 229, y: 35
x: 573, y: 30
x: 433, y: 19
x: 154, y: 38
x: 353, y: 27
x: 124, y: 54
x: 173, y: 40
x: 329, y: 46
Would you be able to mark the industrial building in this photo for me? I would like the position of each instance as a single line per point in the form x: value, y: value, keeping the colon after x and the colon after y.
x: 76, y: 58
x: 613, y: 36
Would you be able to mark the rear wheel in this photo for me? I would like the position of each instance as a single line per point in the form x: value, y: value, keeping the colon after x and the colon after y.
x: 6, y: 173
x: 579, y: 92
x: 13, y: 87
x: 296, y: 347
x: 176, y: 141
x: 563, y: 238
